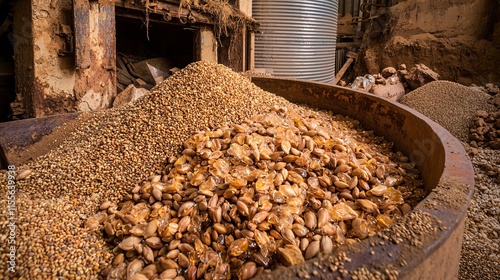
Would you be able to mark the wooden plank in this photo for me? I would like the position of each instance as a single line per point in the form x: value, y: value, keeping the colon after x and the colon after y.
x: 82, y: 30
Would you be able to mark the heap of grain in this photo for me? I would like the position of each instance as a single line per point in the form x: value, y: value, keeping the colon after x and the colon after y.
x: 276, y: 190
x: 109, y: 152
x: 450, y: 104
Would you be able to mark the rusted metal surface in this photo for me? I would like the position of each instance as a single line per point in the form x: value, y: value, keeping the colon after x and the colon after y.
x: 82, y: 33
x: 442, y: 160
x: 17, y: 136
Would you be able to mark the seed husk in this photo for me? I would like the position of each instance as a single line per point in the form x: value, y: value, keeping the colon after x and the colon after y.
x: 312, y: 250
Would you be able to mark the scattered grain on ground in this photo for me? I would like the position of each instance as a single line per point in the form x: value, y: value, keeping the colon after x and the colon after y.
x: 481, y: 244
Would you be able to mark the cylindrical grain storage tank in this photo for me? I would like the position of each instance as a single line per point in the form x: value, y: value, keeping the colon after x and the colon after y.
x: 297, y: 38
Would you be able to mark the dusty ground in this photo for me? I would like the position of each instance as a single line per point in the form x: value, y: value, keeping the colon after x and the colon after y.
x: 481, y: 247
x: 458, y: 39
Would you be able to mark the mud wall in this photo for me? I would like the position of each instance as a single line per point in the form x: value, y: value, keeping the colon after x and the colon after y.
x: 54, y: 78
x: 47, y: 79
x: 459, y: 39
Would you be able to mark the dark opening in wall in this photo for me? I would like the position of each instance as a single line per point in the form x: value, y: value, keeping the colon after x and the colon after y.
x: 7, y: 82
x: 162, y: 46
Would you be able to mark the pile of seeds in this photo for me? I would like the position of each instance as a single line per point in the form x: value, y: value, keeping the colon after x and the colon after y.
x: 450, y: 104
x: 110, y: 154
x: 275, y: 190
x: 102, y: 160
x: 480, y: 257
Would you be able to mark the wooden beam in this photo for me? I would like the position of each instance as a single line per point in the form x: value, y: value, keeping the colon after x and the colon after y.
x: 344, y: 68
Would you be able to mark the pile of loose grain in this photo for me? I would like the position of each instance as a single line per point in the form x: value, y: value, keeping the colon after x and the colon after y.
x: 449, y: 104
x: 110, y: 152
x: 278, y: 189
x: 481, y: 246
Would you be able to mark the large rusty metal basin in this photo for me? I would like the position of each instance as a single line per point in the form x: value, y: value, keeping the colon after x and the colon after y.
x: 446, y: 170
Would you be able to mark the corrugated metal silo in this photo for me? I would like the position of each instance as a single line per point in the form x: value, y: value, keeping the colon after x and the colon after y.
x: 297, y: 38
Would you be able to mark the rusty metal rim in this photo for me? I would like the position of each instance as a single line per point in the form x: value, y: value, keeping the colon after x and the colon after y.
x: 457, y: 171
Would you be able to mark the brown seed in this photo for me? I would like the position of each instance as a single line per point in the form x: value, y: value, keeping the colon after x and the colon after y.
x: 346, y: 195
x: 260, y: 217
x: 151, y: 228
x: 128, y: 243
x: 247, y: 271
x: 275, y: 234
x: 137, y: 247
x: 167, y: 263
x: 379, y: 190
x: 367, y: 205
x: 278, y: 180
x: 242, y: 208
x: 92, y: 223
x: 129, y: 219
x: 341, y: 168
x: 184, y: 223
x: 312, y: 250
x: 157, y: 194
x: 326, y: 244
x: 154, y: 242
x: 174, y: 244
x: 327, y: 229
x: 205, y: 238
x: 202, y: 268
x: 185, y: 248
x: 290, y: 255
x: 118, y: 259
x: 23, y: 174
x: 134, y: 267
x: 191, y: 272
x: 148, y: 254
x: 406, y: 208
x: 325, y: 181
x: 238, y: 247
x: 183, y: 260
x: 220, y: 228
x: 186, y: 208
x: 304, y: 243
x: 355, y: 192
x: 105, y: 205
x: 288, y: 236
x: 353, y: 183
x: 168, y: 274
x: 341, y: 185
x: 172, y: 254
x: 310, y: 220
x: 380, y: 172
x: 139, y: 276
x: 137, y: 230
x: 363, y: 184
x: 279, y: 165
x: 299, y: 230
x: 323, y: 217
